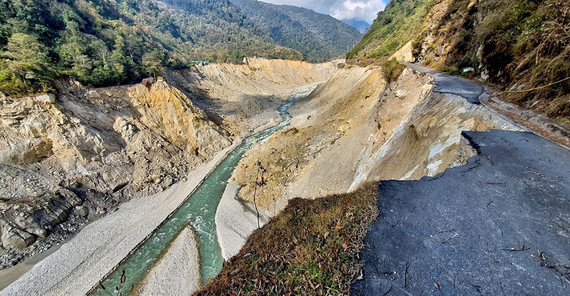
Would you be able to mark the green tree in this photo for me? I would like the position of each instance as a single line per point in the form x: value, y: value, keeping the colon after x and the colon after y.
x: 25, y: 63
x: 152, y: 62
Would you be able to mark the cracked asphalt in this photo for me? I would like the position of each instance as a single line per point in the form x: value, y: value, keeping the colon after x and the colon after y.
x: 499, y: 225
x: 448, y: 84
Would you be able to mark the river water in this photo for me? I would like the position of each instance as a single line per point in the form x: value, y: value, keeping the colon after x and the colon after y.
x: 198, y: 211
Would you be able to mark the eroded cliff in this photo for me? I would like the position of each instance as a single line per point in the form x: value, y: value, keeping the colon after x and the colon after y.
x: 66, y: 160
x: 357, y: 128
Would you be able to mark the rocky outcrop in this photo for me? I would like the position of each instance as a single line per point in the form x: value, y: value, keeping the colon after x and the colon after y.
x: 92, y: 149
x: 405, y: 54
x: 22, y: 223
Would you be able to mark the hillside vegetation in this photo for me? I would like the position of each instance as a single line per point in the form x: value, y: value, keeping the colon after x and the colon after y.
x: 319, y: 37
x: 110, y: 42
x: 393, y: 27
x: 520, y: 46
x: 311, y: 248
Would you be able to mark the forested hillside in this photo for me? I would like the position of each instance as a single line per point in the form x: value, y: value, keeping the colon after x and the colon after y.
x: 399, y: 23
x: 521, y: 46
x: 110, y: 42
x: 319, y: 37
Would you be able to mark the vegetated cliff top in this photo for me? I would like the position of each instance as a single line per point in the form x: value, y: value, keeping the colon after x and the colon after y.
x: 522, y: 47
x: 109, y: 42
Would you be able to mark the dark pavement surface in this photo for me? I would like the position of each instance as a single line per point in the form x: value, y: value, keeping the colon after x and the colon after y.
x: 448, y: 84
x: 499, y: 225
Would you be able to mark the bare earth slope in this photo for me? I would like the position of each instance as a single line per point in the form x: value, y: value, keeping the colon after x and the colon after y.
x: 356, y: 128
x: 247, y: 96
x: 353, y: 129
x: 67, y: 160
x: 87, y: 150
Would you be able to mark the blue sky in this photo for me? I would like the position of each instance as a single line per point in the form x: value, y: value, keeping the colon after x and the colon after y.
x: 365, y: 10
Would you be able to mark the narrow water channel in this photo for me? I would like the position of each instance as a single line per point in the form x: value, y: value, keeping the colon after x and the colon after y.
x: 199, y: 211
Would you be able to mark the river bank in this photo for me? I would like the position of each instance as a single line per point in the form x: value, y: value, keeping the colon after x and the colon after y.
x: 102, y: 245
x: 79, y: 264
x: 200, y: 212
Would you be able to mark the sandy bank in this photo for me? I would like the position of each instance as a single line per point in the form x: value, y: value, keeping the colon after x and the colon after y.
x: 99, y: 247
x: 178, y: 271
x: 235, y: 221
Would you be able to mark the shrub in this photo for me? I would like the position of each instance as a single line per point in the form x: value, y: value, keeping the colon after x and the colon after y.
x: 392, y: 69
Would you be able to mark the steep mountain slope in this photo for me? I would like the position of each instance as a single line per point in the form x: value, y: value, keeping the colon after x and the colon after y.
x: 111, y: 42
x: 86, y: 151
x: 107, y: 42
x: 357, y: 128
x: 319, y: 37
x: 393, y: 27
x: 522, y: 47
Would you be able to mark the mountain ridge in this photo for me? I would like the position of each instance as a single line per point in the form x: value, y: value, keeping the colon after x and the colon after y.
x: 112, y: 42
x: 319, y: 37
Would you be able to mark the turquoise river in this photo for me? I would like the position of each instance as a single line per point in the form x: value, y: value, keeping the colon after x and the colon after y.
x: 198, y: 211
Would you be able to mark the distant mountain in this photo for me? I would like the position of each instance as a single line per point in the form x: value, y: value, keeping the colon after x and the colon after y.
x: 361, y: 26
x: 317, y: 36
x: 109, y: 42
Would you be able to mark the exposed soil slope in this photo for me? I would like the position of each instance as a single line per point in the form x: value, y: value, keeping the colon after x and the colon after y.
x: 356, y: 128
x: 100, y: 147
x: 85, y: 151
x: 245, y: 97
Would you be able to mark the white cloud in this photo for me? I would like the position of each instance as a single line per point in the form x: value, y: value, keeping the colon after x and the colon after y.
x: 365, y: 10
x: 359, y: 10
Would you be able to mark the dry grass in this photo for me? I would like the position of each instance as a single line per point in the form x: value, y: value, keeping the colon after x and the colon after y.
x: 311, y: 248
x: 524, y: 45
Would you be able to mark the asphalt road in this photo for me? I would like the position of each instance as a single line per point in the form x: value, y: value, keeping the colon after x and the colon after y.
x: 499, y: 225
x: 444, y: 83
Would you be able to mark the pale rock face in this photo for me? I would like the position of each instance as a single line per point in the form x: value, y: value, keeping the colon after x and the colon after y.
x: 405, y: 54
x: 354, y: 129
x: 104, y: 142
x: 46, y: 99
x: 15, y: 238
x: 77, y: 156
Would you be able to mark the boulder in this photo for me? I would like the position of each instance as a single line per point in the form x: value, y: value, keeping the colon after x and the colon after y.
x: 14, y: 238
x: 82, y: 211
x: 45, y: 98
x: 29, y: 224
